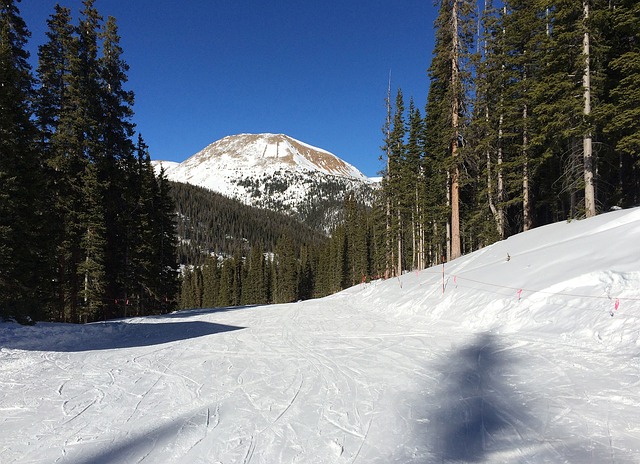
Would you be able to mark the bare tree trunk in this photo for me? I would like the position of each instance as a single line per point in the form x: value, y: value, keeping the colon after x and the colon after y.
x: 388, y: 250
x: 500, y: 193
x: 414, y: 239
x: 526, y: 200
x: 455, y: 106
x: 448, y: 231
x: 500, y: 187
x: 399, y: 265
x: 589, y: 191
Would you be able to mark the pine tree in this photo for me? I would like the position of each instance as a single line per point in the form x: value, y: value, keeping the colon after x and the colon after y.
x: 286, y: 276
x: 225, y: 291
x: 357, y: 243
x: 619, y: 116
x: 164, y: 282
x: 210, y: 282
x: 116, y: 160
x: 92, y: 269
x: 52, y: 111
x: 486, y: 132
x: 416, y: 190
x: 24, y: 263
x: 306, y: 272
x: 447, y: 104
x: 238, y: 278
x: 394, y: 183
x: 254, y: 287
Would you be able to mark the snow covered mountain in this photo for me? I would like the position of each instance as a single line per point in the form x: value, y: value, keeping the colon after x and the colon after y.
x: 531, y: 359
x: 273, y: 171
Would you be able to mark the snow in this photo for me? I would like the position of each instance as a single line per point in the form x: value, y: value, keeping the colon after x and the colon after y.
x: 167, y: 165
x: 529, y: 359
x: 226, y: 164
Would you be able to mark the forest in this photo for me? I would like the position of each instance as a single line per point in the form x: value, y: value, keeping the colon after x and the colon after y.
x: 532, y: 117
x: 87, y: 230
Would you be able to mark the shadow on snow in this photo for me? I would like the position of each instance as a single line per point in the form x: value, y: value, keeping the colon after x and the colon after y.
x: 176, y: 435
x: 480, y: 415
x: 105, y: 335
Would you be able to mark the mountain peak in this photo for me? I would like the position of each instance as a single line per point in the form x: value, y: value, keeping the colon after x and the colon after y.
x: 277, y: 172
x: 269, y: 152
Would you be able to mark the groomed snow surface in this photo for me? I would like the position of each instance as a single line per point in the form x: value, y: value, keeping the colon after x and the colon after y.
x: 529, y: 359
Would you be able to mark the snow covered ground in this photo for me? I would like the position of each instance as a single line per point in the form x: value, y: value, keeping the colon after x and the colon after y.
x: 530, y: 359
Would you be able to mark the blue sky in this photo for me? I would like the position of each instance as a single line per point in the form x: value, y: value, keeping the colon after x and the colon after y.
x: 314, y: 70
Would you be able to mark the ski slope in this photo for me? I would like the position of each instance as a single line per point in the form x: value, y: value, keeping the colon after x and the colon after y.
x: 526, y: 351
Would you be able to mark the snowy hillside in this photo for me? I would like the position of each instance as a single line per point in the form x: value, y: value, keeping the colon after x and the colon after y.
x: 524, y: 352
x: 272, y: 171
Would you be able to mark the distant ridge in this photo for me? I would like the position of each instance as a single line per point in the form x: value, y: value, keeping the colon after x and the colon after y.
x: 277, y: 172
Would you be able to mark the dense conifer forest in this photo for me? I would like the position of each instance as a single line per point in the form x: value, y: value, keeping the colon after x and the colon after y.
x: 532, y: 117
x: 209, y: 223
x: 87, y: 231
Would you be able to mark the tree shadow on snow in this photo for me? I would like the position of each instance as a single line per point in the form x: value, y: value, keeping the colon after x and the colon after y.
x: 185, y: 313
x: 479, y: 415
x: 473, y: 406
x: 162, y: 442
x: 107, y: 335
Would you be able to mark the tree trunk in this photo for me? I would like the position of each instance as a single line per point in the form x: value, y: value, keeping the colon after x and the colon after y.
x: 388, y: 249
x: 455, y: 105
x: 589, y: 191
x: 526, y: 200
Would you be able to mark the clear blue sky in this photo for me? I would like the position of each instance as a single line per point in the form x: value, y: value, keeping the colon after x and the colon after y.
x: 316, y: 70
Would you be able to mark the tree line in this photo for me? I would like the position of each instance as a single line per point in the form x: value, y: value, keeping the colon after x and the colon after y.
x: 293, y: 269
x: 532, y: 117
x: 87, y: 230
x: 208, y: 223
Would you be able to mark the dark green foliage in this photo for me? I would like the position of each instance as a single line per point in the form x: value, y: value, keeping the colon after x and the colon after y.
x: 212, y: 223
x: 255, y: 287
x: 286, y: 272
x: 523, y: 125
x: 87, y: 230
x: 210, y: 282
x: 225, y: 290
x: 24, y: 244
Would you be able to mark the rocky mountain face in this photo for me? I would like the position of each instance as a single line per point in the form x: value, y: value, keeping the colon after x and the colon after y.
x: 276, y: 172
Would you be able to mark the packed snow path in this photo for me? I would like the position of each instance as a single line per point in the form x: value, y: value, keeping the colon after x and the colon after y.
x: 518, y: 361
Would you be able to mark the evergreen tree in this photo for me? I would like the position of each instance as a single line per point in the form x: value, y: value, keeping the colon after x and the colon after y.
x: 238, y: 278
x: 394, y: 183
x: 92, y: 269
x: 486, y: 131
x: 619, y: 25
x: 116, y: 160
x: 225, y: 291
x: 210, y: 282
x: 53, y: 107
x: 24, y: 263
x: 164, y: 278
x: 306, y: 272
x: 357, y: 242
x: 254, y: 287
x: 191, y: 289
x: 286, y: 275
x: 444, y: 119
x: 448, y: 103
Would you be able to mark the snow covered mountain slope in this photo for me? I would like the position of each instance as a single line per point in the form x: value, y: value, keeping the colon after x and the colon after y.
x: 527, y: 351
x: 273, y: 171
